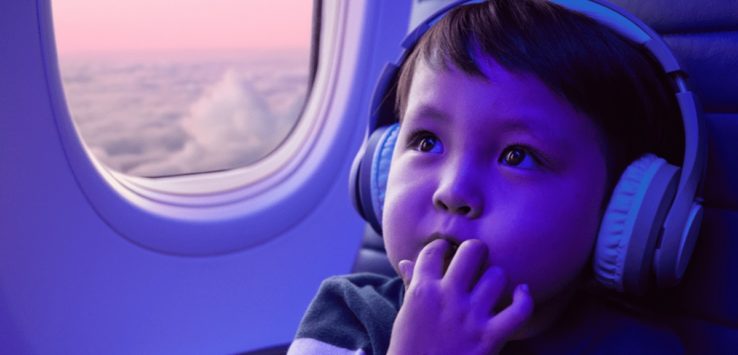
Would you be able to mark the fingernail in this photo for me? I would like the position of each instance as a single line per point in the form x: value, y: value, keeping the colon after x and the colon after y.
x: 403, y: 265
x: 524, y: 288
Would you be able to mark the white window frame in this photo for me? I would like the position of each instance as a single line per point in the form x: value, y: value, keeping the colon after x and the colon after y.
x: 221, y: 212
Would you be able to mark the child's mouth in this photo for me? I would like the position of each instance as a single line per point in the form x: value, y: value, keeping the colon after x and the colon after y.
x: 450, y: 253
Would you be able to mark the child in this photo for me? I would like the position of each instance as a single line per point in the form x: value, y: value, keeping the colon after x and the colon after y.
x: 517, y: 118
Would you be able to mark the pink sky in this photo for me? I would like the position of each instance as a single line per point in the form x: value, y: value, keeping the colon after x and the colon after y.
x: 128, y: 25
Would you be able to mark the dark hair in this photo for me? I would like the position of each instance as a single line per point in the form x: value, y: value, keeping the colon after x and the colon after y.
x: 600, y: 73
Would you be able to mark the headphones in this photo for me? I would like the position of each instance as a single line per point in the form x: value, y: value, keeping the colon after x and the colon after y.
x: 653, y: 217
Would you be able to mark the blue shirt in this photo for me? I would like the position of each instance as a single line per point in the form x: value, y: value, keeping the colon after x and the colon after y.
x: 354, y: 314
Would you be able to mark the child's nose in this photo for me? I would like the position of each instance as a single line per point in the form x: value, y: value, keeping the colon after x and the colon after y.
x: 454, y: 208
x: 456, y: 195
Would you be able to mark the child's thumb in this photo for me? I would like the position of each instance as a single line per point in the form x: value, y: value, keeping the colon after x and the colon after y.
x: 406, y: 271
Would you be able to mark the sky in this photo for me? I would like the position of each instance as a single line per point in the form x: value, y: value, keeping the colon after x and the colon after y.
x: 169, y: 114
x: 83, y: 26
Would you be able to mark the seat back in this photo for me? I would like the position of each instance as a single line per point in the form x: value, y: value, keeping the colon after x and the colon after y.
x: 704, y: 37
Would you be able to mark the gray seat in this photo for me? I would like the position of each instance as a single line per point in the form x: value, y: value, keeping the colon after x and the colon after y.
x: 704, y: 35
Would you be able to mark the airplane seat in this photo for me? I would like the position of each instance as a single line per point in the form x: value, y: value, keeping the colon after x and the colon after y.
x: 372, y: 256
x: 704, y: 36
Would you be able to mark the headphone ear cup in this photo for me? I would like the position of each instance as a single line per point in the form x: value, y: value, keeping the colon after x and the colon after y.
x: 381, y: 167
x: 631, y: 224
x: 369, y: 174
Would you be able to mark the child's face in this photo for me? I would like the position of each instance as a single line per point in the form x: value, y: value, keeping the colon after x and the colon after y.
x: 501, y: 159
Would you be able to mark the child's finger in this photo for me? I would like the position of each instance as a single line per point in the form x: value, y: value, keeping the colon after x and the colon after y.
x: 406, y: 271
x: 488, y: 290
x: 512, y: 318
x: 430, y: 260
x: 465, y: 265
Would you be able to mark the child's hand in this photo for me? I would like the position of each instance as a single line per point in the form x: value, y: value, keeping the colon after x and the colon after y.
x: 453, y: 313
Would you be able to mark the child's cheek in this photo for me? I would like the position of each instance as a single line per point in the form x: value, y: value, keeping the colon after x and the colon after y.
x: 404, y: 218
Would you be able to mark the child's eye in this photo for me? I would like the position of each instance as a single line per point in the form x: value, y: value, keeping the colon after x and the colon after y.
x: 425, y: 142
x: 519, y: 157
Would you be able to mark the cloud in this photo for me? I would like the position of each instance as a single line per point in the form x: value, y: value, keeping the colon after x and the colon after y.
x: 230, y: 125
x: 158, y: 119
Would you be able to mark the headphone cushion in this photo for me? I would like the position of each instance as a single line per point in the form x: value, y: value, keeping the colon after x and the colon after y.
x: 616, y: 228
x: 380, y: 168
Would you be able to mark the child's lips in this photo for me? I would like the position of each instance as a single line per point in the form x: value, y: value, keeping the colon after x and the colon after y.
x: 450, y: 253
x: 453, y: 247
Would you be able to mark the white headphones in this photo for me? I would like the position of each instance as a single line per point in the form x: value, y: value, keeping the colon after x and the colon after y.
x: 652, y: 221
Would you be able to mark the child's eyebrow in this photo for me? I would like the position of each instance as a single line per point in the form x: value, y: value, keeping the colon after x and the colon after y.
x: 427, y: 111
x: 503, y: 123
x: 527, y: 123
x: 515, y: 124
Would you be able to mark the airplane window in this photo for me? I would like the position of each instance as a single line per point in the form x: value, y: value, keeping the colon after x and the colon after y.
x: 159, y: 88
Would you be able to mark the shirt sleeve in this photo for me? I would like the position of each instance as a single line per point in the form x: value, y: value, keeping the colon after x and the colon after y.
x: 309, y: 346
x: 349, y: 315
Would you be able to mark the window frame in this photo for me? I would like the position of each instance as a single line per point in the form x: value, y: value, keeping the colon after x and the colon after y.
x: 225, y: 211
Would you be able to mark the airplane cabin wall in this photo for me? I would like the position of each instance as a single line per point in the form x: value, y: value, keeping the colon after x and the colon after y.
x: 70, y: 284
